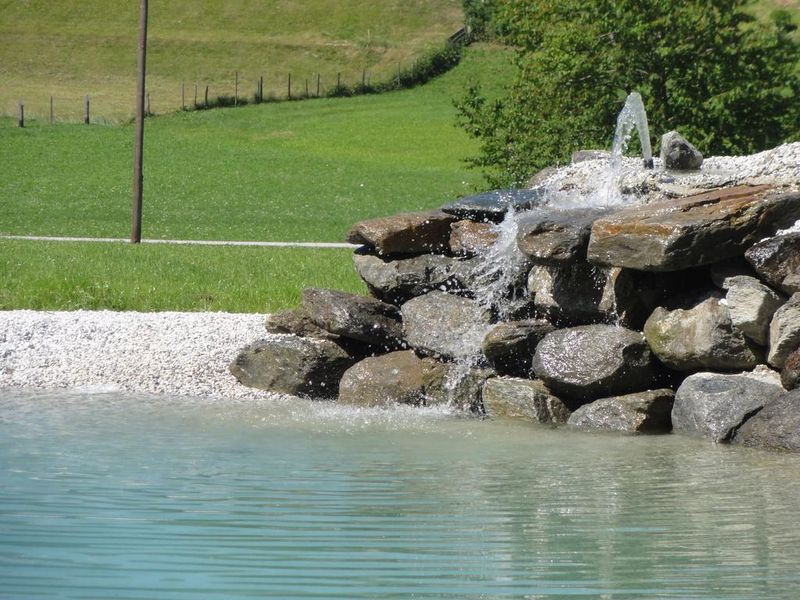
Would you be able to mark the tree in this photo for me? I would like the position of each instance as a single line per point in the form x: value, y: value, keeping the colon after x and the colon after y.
x: 728, y: 83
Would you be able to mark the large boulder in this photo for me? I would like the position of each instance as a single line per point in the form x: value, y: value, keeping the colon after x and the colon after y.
x: 292, y: 365
x: 784, y: 332
x: 699, y: 337
x: 509, y: 346
x: 642, y: 412
x: 462, y: 387
x: 395, y: 378
x: 522, y: 399
x: 777, y: 261
x: 790, y: 374
x: 356, y: 317
x: 445, y: 325
x: 679, y: 154
x: 714, y: 405
x: 468, y: 237
x: 671, y: 235
x: 752, y: 305
x: 399, y: 280
x: 594, y: 361
x: 775, y: 427
x: 492, y: 206
x: 407, y: 233
x: 556, y: 236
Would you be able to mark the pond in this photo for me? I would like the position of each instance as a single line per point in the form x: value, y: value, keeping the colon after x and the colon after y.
x: 111, y: 496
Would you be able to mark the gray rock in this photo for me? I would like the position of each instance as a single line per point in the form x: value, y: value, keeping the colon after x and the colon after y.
x: 445, y: 325
x: 468, y: 237
x: 642, y: 412
x: 713, y: 405
x: 790, y: 374
x: 784, y: 332
x: 492, y: 206
x: 292, y: 365
x: 556, y: 236
x: 752, y: 305
x: 356, y: 317
x: 677, y: 153
x: 775, y: 427
x: 395, y: 378
x: 509, y: 346
x: 523, y: 399
x: 700, y: 337
x: 295, y: 322
x: 671, y: 235
x: 722, y: 273
x: 580, y: 156
x: 399, y: 280
x: 461, y: 388
x: 594, y: 361
x: 777, y: 261
x: 407, y: 233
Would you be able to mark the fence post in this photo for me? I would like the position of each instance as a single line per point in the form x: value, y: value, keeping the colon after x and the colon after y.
x: 289, y: 92
x: 338, y: 83
x: 86, y: 109
x: 183, y: 96
x: 307, y: 88
x: 205, y: 101
x: 21, y: 121
x: 260, y: 88
x: 363, y: 79
x: 398, y: 75
x: 148, y: 113
x: 195, y: 95
x: 236, y: 90
x: 52, y: 113
x: 317, y: 85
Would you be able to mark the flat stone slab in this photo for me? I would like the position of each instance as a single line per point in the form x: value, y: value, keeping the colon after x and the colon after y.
x: 492, y: 206
x: 777, y: 261
x: 642, y: 412
x: 688, y: 232
x: 557, y: 236
x: 524, y: 400
x: 400, y: 279
x: 406, y: 233
x: 468, y: 237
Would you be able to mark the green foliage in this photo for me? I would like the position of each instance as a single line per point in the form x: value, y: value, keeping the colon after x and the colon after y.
x: 479, y: 16
x: 727, y: 82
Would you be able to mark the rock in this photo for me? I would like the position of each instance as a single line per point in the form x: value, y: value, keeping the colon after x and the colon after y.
x: 722, y: 273
x: 752, y: 305
x: 356, y: 317
x: 445, y: 325
x: 407, y: 233
x: 295, y: 322
x: 777, y: 261
x: 713, y: 405
x: 677, y: 153
x: 399, y: 280
x: 522, y: 399
x: 556, y: 236
x: 790, y: 374
x: 468, y: 237
x: 492, y: 206
x: 784, y: 332
x: 461, y: 388
x: 594, y: 361
x: 395, y: 378
x: 509, y: 346
x: 580, y: 156
x: 292, y: 365
x: 775, y: 427
x: 671, y: 235
x: 642, y: 412
x: 700, y: 337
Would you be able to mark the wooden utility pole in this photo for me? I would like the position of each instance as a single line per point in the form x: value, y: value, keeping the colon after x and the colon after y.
x: 136, y: 227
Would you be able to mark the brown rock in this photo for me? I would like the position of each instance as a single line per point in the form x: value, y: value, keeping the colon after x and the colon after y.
x: 407, y: 233
x: 642, y: 412
x: 523, y: 399
x: 777, y: 261
x: 469, y: 237
x: 556, y: 236
x: 790, y: 374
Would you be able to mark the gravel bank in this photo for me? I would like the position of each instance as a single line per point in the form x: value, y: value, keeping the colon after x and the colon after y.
x: 184, y: 354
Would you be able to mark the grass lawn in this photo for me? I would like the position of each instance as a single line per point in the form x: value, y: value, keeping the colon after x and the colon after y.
x: 70, y: 48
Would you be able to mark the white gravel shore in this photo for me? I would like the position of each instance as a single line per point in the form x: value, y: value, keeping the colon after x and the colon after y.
x: 185, y: 354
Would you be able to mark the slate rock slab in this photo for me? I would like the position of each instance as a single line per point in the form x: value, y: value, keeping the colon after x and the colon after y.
x: 775, y: 427
x: 407, y: 233
x: 491, y: 207
x: 398, y: 280
x: 444, y: 324
x: 594, y: 361
x: 557, y: 236
x: 642, y: 412
x: 356, y: 317
x: 396, y: 378
x: 715, y: 405
x: 509, y: 346
x: 671, y: 235
x: 292, y: 365
x: 524, y: 400
x: 468, y: 238
x: 777, y: 261
x: 752, y: 305
x: 700, y: 337
x: 784, y: 332
x: 677, y: 153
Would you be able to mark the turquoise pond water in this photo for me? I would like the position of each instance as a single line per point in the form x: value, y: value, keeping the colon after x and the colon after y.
x: 104, y: 496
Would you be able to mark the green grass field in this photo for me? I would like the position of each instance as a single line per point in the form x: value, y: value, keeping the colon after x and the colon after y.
x: 71, y: 48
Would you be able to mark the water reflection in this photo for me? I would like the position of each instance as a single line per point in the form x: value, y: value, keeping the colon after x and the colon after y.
x: 105, y: 496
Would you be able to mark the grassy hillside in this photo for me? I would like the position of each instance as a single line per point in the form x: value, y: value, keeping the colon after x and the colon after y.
x: 70, y: 48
